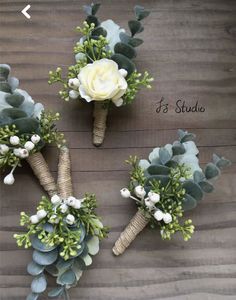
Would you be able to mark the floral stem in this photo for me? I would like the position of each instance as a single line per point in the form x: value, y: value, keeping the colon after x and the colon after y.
x: 66, y: 294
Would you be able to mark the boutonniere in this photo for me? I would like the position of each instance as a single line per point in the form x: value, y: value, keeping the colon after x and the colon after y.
x: 64, y: 234
x: 25, y: 128
x: 104, y: 72
x: 170, y: 182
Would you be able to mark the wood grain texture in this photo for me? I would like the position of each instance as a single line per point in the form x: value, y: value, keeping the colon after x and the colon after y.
x: 190, y: 48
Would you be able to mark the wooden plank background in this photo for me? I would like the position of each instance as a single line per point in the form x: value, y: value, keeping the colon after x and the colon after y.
x: 190, y: 48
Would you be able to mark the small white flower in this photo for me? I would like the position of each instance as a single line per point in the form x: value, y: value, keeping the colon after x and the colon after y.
x: 23, y: 153
x: 139, y: 191
x: 17, y: 152
x: 3, y: 149
x: 125, y: 193
x: 9, y: 179
x: 55, y: 199
x: 158, y: 215
x: 53, y: 219
x: 34, y: 219
x: 70, y: 219
x: 35, y: 138
x: 77, y: 204
x: 41, y: 213
x: 14, y: 140
x: 29, y: 146
x: 63, y: 208
x: 73, y: 94
x: 123, y: 72
x: 71, y: 201
x: 154, y: 197
x: 167, y: 218
x: 74, y: 82
x: 149, y: 203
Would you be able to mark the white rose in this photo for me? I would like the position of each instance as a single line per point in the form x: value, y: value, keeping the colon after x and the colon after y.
x: 41, y: 213
x: 35, y: 138
x: 3, y: 149
x: 139, y: 191
x: 29, y: 146
x: 154, y: 197
x: 55, y: 199
x: 125, y: 193
x: 70, y: 219
x: 102, y: 80
x: 14, y: 140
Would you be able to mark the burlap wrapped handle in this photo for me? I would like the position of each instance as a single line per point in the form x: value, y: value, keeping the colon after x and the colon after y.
x: 42, y: 172
x: 136, y: 225
x: 64, y: 181
x: 99, y: 124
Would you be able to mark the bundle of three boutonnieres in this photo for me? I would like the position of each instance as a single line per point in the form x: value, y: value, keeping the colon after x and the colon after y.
x: 104, y: 71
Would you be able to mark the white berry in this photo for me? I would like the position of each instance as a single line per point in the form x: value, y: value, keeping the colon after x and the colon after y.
x: 55, y: 199
x: 73, y: 94
x: 123, y: 72
x: 139, y: 191
x: 63, y: 208
x: 53, y: 219
x: 29, y: 146
x: 34, y: 219
x: 70, y: 219
x: 9, y: 179
x: 14, y: 140
x: 71, y: 201
x: 158, y: 215
x: 41, y: 213
x: 167, y: 218
x: 35, y: 138
x: 77, y: 204
x: 3, y: 149
x: 125, y: 193
x: 23, y: 153
x: 149, y: 203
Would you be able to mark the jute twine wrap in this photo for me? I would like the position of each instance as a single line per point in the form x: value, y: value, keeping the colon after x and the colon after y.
x: 64, y: 181
x: 136, y: 225
x: 99, y: 125
x: 41, y: 171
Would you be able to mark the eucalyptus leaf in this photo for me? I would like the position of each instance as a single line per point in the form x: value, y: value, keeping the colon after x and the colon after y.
x: 14, y: 113
x: 32, y: 296
x: 48, y: 227
x: 26, y: 125
x: 188, y: 137
x: 5, y: 87
x: 193, y: 189
x: 38, y: 245
x: 171, y: 164
x: 125, y: 38
x: 4, y: 71
x: 63, y: 265
x: 211, y: 171
x: 68, y: 277
x: 206, y: 186
x: 135, y: 42
x: 15, y: 99
x: 88, y: 9
x: 125, y: 49
x: 99, y: 31
x: 93, y: 245
x: 39, y: 284
x: 82, y: 233
x: 45, y: 258
x: 56, y: 292
x: 95, y: 8
x: 92, y: 19
x: 87, y: 259
x: 164, y: 155
x: 178, y: 148
x: 52, y: 270
x: 141, y: 12
x: 135, y: 27
x: 124, y: 62
x: 34, y: 269
x: 198, y: 176
x: 164, y: 179
x: 188, y: 202
x: 158, y: 170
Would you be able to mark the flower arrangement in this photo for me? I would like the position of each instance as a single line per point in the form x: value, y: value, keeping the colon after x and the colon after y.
x: 25, y: 128
x: 64, y: 234
x: 170, y: 182
x: 104, y: 71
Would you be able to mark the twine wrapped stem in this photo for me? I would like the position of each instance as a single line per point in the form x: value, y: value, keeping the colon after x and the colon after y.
x: 136, y: 225
x: 64, y: 180
x: 42, y: 172
x: 99, y: 125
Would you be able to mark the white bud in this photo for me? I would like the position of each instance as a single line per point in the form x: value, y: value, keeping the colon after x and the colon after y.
x: 77, y: 204
x: 149, y: 203
x: 34, y: 219
x: 23, y: 153
x: 9, y: 179
x: 76, y: 82
x: 53, y: 219
x: 29, y: 146
x: 125, y: 193
x: 35, y: 139
x: 167, y: 218
x: 41, y: 213
x: 3, y: 149
x: 139, y: 191
x: 14, y: 140
x: 70, y: 219
x: 63, y: 208
x: 158, y: 215
x: 55, y: 199
x: 71, y: 201
x: 73, y: 94
x: 123, y: 72
x: 154, y: 197
x: 17, y: 152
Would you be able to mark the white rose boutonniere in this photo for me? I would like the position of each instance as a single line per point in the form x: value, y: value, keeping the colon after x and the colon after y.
x: 102, y: 80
